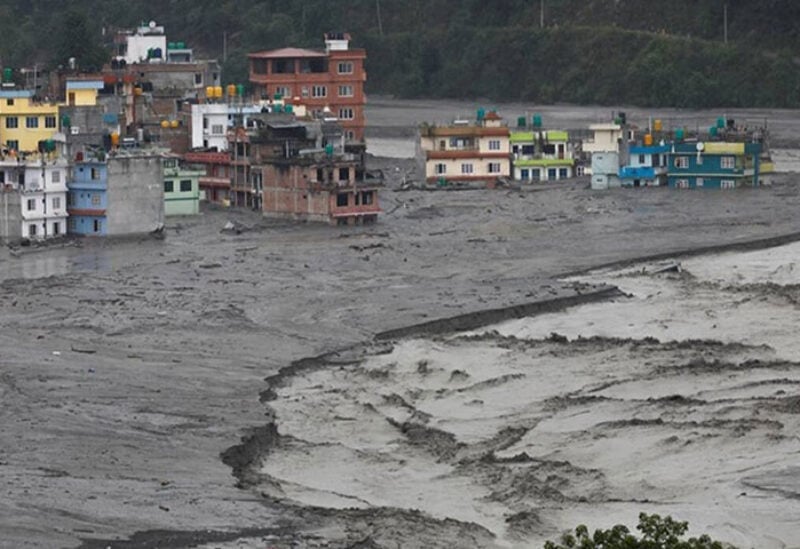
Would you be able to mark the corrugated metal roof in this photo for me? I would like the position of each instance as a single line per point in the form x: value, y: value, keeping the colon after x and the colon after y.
x: 287, y: 52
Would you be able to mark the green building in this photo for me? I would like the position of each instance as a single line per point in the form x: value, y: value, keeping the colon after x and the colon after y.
x: 541, y: 155
x: 181, y: 188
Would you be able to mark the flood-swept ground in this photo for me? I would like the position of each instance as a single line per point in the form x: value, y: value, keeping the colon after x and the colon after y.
x: 679, y: 398
x: 131, y: 371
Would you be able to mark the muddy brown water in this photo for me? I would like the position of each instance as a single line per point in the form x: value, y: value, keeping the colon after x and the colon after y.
x: 128, y: 370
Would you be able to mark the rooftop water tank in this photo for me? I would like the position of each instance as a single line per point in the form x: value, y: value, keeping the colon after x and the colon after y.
x: 537, y: 120
x: 521, y: 122
x: 481, y: 114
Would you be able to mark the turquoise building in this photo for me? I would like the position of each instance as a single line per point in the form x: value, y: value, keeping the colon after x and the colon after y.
x: 181, y: 188
x: 714, y: 165
x: 647, y: 166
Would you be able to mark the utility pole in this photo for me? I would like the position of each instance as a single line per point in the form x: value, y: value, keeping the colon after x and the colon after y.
x: 380, y: 22
x: 541, y: 14
x: 725, y: 21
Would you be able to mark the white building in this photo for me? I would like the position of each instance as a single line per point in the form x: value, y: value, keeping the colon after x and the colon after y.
x: 607, y: 138
x: 145, y: 39
x: 40, y: 183
x: 211, y: 121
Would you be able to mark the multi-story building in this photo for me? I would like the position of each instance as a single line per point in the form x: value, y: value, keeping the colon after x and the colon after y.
x: 215, y: 182
x: 122, y: 194
x: 714, y: 164
x: 647, y: 165
x: 329, y: 81
x: 39, y: 209
x: 465, y: 150
x: 25, y: 120
x: 181, y: 188
x: 606, y: 137
x: 545, y: 155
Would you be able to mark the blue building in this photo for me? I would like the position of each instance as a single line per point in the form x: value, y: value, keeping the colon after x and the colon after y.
x: 122, y: 194
x: 714, y: 165
x: 87, y: 198
x: 647, y: 166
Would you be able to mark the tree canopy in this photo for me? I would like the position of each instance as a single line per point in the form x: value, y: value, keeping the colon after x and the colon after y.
x: 656, y: 533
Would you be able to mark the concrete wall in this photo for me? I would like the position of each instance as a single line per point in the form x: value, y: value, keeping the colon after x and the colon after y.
x: 288, y: 194
x: 10, y: 216
x: 135, y: 195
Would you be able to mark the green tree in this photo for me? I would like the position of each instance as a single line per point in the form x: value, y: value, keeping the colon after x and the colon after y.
x: 75, y: 38
x: 657, y: 533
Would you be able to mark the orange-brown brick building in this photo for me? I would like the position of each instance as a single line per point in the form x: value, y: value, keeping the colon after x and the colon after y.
x: 330, y: 79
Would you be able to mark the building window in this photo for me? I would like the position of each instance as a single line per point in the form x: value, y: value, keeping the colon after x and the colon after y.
x: 319, y: 91
x: 10, y: 102
x: 95, y: 200
x: 32, y: 122
x: 95, y: 173
x: 682, y: 183
x: 198, y: 78
x: 49, y: 121
x: 283, y: 91
x: 56, y: 203
x: 494, y: 167
x: 96, y: 225
x: 524, y: 173
x: 466, y: 168
x: 70, y: 199
x: 699, y: 161
x: 56, y: 177
x: 12, y: 122
x: 727, y: 184
x: 345, y: 67
x: 350, y: 135
x: 346, y: 114
x: 56, y: 229
x: 217, y: 129
x: 681, y: 162
x: 366, y: 198
x: 441, y: 169
x: 341, y: 199
x: 186, y: 185
x: 169, y: 186
x: 345, y: 91
x: 699, y: 182
x: 344, y: 174
x: 304, y: 91
x: 563, y: 173
x: 727, y: 162
x: 641, y: 160
x: 31, y: 230
x: 13, y: 144
x: 31, y: 204
x: 494, y: 144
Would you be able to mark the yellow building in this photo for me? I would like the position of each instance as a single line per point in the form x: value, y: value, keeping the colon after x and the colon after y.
x: 24, y: 122
x: 466, y: 150
x: 83, y: 93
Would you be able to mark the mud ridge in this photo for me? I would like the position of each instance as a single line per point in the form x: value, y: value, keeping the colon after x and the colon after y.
x: 479, y: 319
x: 156, y: 539
x: 745, y: 246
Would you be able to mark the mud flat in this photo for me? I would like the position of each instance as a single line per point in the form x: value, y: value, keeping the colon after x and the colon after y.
x: 678, y: 398
x: 130, y: 370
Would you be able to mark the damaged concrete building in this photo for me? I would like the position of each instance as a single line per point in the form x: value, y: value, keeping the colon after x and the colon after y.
x: 302, y: 170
